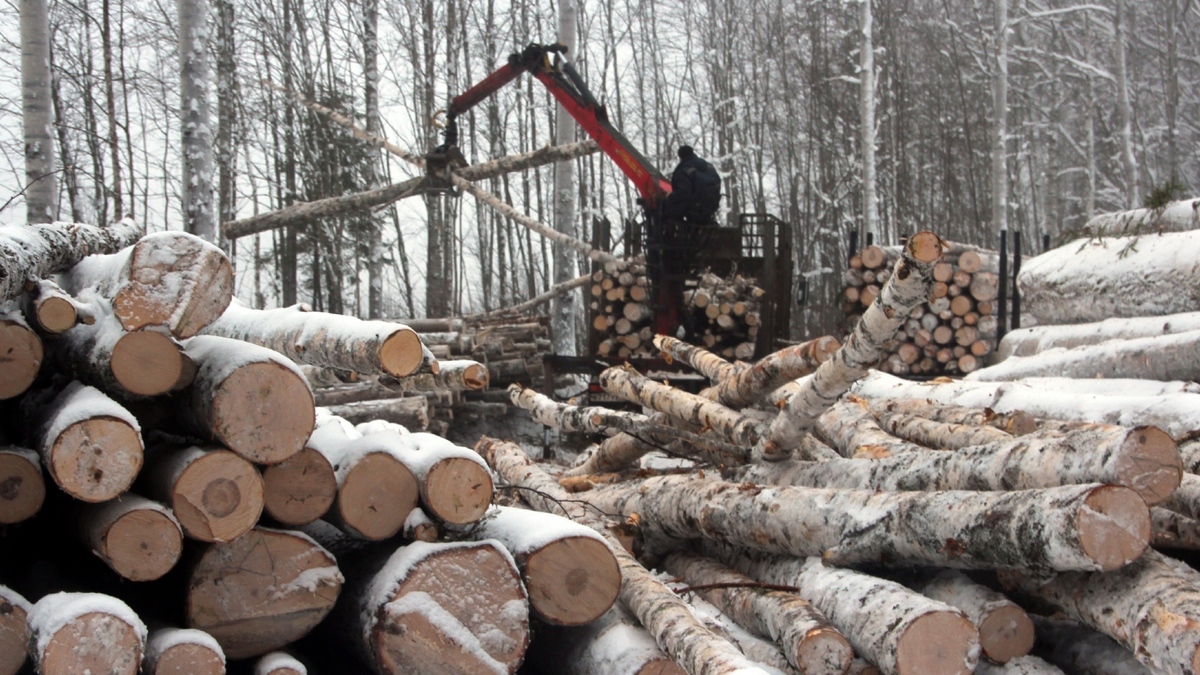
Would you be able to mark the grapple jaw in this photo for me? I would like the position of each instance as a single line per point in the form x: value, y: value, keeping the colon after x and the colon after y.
x: 438, y: 166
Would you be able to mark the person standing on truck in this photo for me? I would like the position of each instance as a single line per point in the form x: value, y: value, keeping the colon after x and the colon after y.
x: 695, y: 190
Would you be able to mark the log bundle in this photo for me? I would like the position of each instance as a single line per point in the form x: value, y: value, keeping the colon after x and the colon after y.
x: 622, y: 308
x: 952, y: 332
x: 724, y: 314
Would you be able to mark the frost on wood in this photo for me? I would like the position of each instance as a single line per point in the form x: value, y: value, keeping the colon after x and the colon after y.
x: 13, y: 612
x: 37, y: 251
x: 137, y: 538
x: 1163, y: 357
x: 81, y: 632
x: 1095, y: 279
x: 321, y: 339
x: 279, y: 663
x: 22, y: 487
x: 170, y: 651
x: 23, y: 352
x: 908, y: 286
x: 1030, y: 341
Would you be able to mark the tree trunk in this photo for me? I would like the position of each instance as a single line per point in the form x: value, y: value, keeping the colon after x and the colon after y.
x: 565, y: 308
x: 1005, y: 630
x: 1178, y: 216
x: 13, y: 612
x: 908, y: 286
x: 866, y: 124
x: 41, y: 176
x: 169, y: 279
x: 85, y: 632
x: 300, y: 489
x: 90, y: 445
x: 228, y: 129
x: 38, y: 251
x: 1186, y: 499
x: 125, y: 365
x: 261, y: 591
x: 614, y: 644
x: 250, y: 399
x: 195, y: 88
x: 216, y: 495
x: 999, y: 77
x: 1152, y: 607
x: 1085, y: 527
x: 810, y: 644
x: 1165, y: 357
x: 411, y: 413
x: 171, y: 651
x: 1016, y: 423
x: 1030, y: 341
x: 939, y: 435
x: 752, y: 385
x: 138, y: 539
x: 321, y: 339
x: 1124, y: 107
x: 373, y: 165
x: 22, y: 488
x: 22, y: 350
x: 1075, y: 648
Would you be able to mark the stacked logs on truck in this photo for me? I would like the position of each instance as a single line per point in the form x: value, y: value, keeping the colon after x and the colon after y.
x: 724, y: 314
x: 622, y: 303
x: 954, y: 330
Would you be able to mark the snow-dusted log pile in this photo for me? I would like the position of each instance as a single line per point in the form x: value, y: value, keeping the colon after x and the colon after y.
x: 622, y: 304
x: 724, y: 314
x: 511, y: 349
x: 954, y: 330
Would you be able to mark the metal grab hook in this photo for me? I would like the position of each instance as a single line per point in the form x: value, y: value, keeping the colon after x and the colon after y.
x: 435, y: 119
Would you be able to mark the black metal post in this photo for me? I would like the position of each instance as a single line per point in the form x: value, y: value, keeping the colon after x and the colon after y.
x: 853, y: 245
x: 1002, y: 301
x: 1045, y: 242
x: 1016, y: 290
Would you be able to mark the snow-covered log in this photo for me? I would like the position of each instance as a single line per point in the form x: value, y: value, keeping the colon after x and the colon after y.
x: 52, y: 309
x: 754, y: 384
x: 1178, y: 216
x: 300, y: 489
x: 261, y: 591
x: 375, y: 490
x: 1005, y: 630
x: 1163, y: 357
x: 23, y: 353
x: 808, y: 641
x: 1079, y: 650
x: 1030, y: 341
x: 137, y: 538
x: 1152, y: 607
x: 902, y: 632
x: 85, y: 632
x: 36, y: 251
x: 1186, y: 499
x: 22, y: 487
x: 442, y: 608
x: 214, y: 494
x: 411, y: 412
x: 171, y: 279
x: 571, y: 575
x: 279, y: 663
x: 1169, y: 529
x: 1015, y: 423
x: 322, y: 339
x: 13, y: 612
x: 940, y: 435
x: 1022, y: 665
x: 908, y: 286
x: 614, y: 644
x: 1095, y: 279
x: 174, y: 651
x: 90, y: 445
x: 1081, y: 527
x: 250, y: 399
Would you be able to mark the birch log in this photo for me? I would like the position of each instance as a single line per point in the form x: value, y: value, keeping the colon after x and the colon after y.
x: 376, y: 491
x: 22, y: 350
x: 13, y: 612
x: 1178, y: 216
x: 1186, y: 499
x: 659, y: 609
x: 85, y: 632
x: 1163, y: 357
x: 452, y: 375
x: 322, y: 339
x: 22, y: 487
x: 138, y: 539
x: 1030, y: 341
x: 908, y: 286
x: 170, y: 279
x: 1079, y: 650
x: 849, y: 427
x: 614, y: 644
x: 300, y: 489
x: 1152, y: 607
x: 1015, y: 423
x: 52, y: 309
x: 701, y: 360
x: 38, y: 251
x: 125, y: 364
x: 1005, y: 631
x: 1084, y: 527
x: 455, y: 485
x: 1096, y: 279
x: 215, y: 494
x: 939, y: 435
x: 183, y: 651
x: 754, y: 384
x: 1173, y: 530
x: 808, y: 641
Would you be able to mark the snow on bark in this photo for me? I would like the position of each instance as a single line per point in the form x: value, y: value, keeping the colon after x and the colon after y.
x: 1005, y: 630
x: 279, y: 663
x: 1022, y: 665
x: 322, y: 339
x: 195, y: 91
x: 82, y: 632
x: 137, y: 538
x: 895, y: 628
x: 740, y: 388
x: 1078, y: 649
x: 170, y: 279
x: 908, y: 286
x: 1178, y: 216
x: 13, y: 612
x: 614, y: 644
x: 1095, y: 279
x: 701, y: 360
x: 1163, y: 357
x: 1030, y: 341
x: 1152, y: 607
x: 22, y: 487
x: 1015, y: 423
x: 183, y: 650
x: 1081, y: 527
x: 849, y: 427
x: 939, y: 435
x: 52, y: 309
x: 37, y: 251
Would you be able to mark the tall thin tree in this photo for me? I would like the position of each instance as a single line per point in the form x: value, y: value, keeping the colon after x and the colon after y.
x: 375, y: 254
x: 867, y: 116
x: 1000, y: 120
x: 227, y: 122
x: 1124, y: 108
x: 564, y: 309
x: 41, y: 183
x: 195, y: 91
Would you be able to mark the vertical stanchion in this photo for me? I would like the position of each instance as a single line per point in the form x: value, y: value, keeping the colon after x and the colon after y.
x: 1002, y: 300
x: 1016, y: 290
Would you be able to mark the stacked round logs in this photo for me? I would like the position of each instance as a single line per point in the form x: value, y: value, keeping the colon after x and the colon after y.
x: 512, y: 349
x: 622, y: 304
x: 950, y: 334
x: 724, y: 314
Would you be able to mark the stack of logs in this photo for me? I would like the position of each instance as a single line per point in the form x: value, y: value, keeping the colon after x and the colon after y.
x: 622, y: 309
x: 725, y: 314
x: 954, y: 330
x: 511, y: 349
x: 220, y: 514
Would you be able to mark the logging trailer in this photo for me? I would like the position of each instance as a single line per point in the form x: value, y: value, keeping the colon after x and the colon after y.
x: 758, y: 245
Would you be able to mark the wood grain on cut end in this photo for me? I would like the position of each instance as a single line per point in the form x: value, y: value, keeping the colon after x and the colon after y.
x: 218, y: 497
x: 475, y: 376
x: 401, y: 353
x: 457, y: 491
x: 1150, y: 463
x: 264, y: 412
x: 12, y: 636
x: 572, y: 581
x: 300, y: 489
x: 824, y: 651
x: 178, y: 282
x: 95, y: 460
x: 939, y: 643
x: 20, y: 358
x: 22, y: 488
x: 96, y: 642
x: 1006, y: 633
x: 188, y: 659
x: 872, y: 257
x: 925, y: 246
x: 662, y: 666
x: 142, y: 545
x: 147, y: 363
x: 1114, y: 526
x: 1018, y: 423
x: 56, y: 314
x: 377, y: 495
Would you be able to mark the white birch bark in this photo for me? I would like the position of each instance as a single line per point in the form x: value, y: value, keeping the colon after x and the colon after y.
x: 566, y: 306
x: 701, y: 360
x: 195, y: 87
x: 1169, y: 529
x: 866, y: 114
x: 38, y: 251
x: 41, y: 180
x: 746, y: 387
x: 1005, y: 630
x: 1124, y: 107
x: 1162, y: 357
x: 999, y: 78
x: 1016, y: 423
x: 1030, y: 341
x: 375, y: 255
x: 849, y: 427
x: 1174, y: 217
x: 939, y: 435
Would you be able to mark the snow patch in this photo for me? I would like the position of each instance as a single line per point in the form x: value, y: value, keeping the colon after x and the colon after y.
x: 164, y: 639
x: 53, y: 612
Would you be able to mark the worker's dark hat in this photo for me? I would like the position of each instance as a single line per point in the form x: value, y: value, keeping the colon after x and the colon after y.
x: 686, y: 151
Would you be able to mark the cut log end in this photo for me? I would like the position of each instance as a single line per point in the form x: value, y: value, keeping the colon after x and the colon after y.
x: 573, y: 581
x: 22, y: 488
x: 56, y: 314
x: 824, y: 650
x: 458, y: 491
x: 925, y: 246
x: 299, y: 489
x: 377, y: 495
x: 939, y: 642
x: 96, y: 642
x: 158, y: 294
x: 1006, y: 633
x: 1150, y: 464
x: 143, y: 545
x: 476, y: 376
x: 147, y: 363
x: 188, y: 659
x: 401, y: 353
x: 1114, y: 526
x: 96, y: 459
x: 218, y: 497
x: 264, y: 412
x: 12, y: 636
x: 22, y: 357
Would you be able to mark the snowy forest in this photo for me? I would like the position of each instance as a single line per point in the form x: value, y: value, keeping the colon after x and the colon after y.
x: 964, y: 117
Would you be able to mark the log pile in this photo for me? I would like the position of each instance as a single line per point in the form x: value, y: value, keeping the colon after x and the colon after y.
x: 622, y: 303
x: 511, y: 349
x: 952, y: 332
x: 724, y: 314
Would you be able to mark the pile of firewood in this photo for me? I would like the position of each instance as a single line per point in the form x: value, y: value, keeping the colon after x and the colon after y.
x: 511, y: 348
x: 622, y: 308
x: 724, y: 314
x: 949, y: 334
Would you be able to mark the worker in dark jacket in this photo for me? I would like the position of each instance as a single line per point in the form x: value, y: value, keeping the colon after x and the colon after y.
x: 695, y: 189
